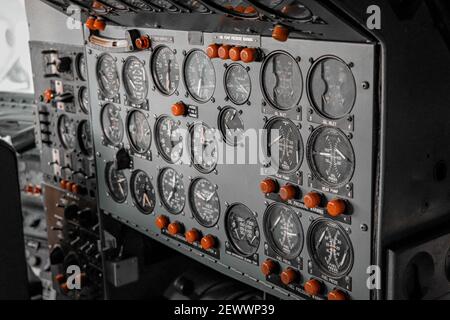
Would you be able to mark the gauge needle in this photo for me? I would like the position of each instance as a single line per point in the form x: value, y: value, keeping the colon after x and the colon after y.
x: 198, y: 194
x: 145, y: 200
x: 276, y: 140
x: 324, y: 154
x: 120, y: 185
x: 210, y: 197
x: 341, y: 154
x: 322, y: 236
x: 275, y: 224
x: 168, y: 75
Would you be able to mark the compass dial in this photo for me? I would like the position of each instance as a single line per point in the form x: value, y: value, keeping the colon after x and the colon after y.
x: 284, y: 145
x: 165, y: 70
x: 199, y: 76
x: 330, y: 156
x: 135, y: 80
x: 116, y: 182
x: 238, y: 84
x: 139, y: 132
x: 204, y: 202
x: 142, y: 191
x: 204, y: 147
x: 67, y: 131
x: 169, y: 139
x: 171, y: 190
x: 283, y: 230
x: 108, y: 76
x: 242, y: 229
x: 330, y: 248
x: 112, y: 124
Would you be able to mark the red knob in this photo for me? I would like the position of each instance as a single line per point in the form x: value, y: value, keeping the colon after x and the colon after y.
x: 268, y: 186
x: 174, y: 228
x: 269, y: 267
x: 224, y: 52
x: 143, y: 43
x: 212, y: 51
x: 288, y: 276
x: 288, y: 192
x: 90, y: 23
x: 336, y: 207
x: 162, y: 222
x: 248, y: 55
x: 312, y: 200
x: 235, y: 53
x: 280, y: 33
x: 208, y: 242
x: 192, y: 236
x: 63, y: 184
x: 179, y: 109
x: 337, y: 295
x: 48, y: 95
x: 313, y: 287
x: 99, y: 24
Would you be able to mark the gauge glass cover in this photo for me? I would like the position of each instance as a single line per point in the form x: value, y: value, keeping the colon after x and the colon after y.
x: 139, y: 132
x: 242, y: 229
x: 171, y: 190
x: 67, y: 131
x: 165, y: 71
x: 135, y: 80
x: 116, y: 182
x: 199, y: 76
x: 203, y: 147
x: 169, y: 139
x: 108, y: 76
x: 204, y: 202
x: 112, y: 124
x: 238, y: 85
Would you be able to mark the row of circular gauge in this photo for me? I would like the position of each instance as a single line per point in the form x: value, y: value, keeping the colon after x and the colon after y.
x: 329, y: 245
x: 329, y: 151
x: 331, y: 84
x: 291, y: 10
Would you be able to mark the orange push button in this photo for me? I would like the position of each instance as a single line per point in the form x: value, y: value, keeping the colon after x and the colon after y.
x: 288, y: 276
x: 224, y: 52
x: 162, y: 222
x: 269, y: 267
x: 63, y: 184
x: 235, y: 53
x: 248, y: 55
x: 288, y: 192
x: 174, y: 228
x: 336, y: 207
x: 143, y: 42
x: 212, y: 51
x: 192, y: 236
x: 179, y: 109
x: 280, y: 33
x: 90, y: 23
x: 250, y: 10
x: 268, y: 186
x: 312, y: 200
x: 337, y: 295
x: 313, y: 287
x: 99, y: 24
x: 208, y: 242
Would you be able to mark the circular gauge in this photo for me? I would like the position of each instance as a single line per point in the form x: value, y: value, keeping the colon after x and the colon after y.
x: 330, y: 156
x: 142, y: 191
x: 195, y: 6
x: 112, y: 124
x: 81, y: 66
x: 139, y: 4
x: 139, y: 131
x: 169, y: 139
x: 165, y: 70
x: 115, y: 4
x: 108, y: 76
x: 116, y: 182
x: 199, y: 76
x: 85, y: 138
x: 83, y: 99
x: 203, y: 147
x: 239, y: 7
x: 67, y: 131
x: 330, y: 248
x: 171, y: 190
x: 291, y: 9
x: 284, y: 145
x: 164, y: 4
x: 242, y: 229
x: 238, y: 84
x: 282, y: 81
x: 332, y: 88
x: 283, y: 230
x: 204, y: 202
x: 231, y: 125
x: 135, y: 80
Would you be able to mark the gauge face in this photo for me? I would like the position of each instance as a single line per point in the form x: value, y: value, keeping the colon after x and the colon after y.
x: 204, y: 202
x: 85, y: 138
x: 238, y: 6
x: 135, y: 80
x: 169, y: 139
x: 140, y: 4
x: 139, y: 132
x: 199, y: 76
x: 164, y: 4
x: 67, y: 131
x: 238, y: 84
x: 292, y: 9
x: 112, y: 124
x: 195, y: 6
x: 330, y: 156
x: 108, y: 76
x: 115, y: 4
x: 231, y: 126
x: 83, y: 99
x: 282, y: 81
x: 117, y: 183
x: 242, y: 229
x: 284, y: 145
x: 332, y: 88
x: 142, y: 191
x: 171, y: 190
x: 81, y: 66
x: 284, y: 231
x: 204, y: 148
x: 330, y: 248
x: 165, y: 71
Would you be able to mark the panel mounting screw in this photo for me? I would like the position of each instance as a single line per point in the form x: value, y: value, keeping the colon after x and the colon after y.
x: 364, y: 227
x: 365, y: 85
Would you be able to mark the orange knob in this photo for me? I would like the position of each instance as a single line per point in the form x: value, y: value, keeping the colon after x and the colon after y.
x: 60, y: 278
x: 337, y: 295
x: 248, y: 55
x: 37, y: 190
x: 280, y: 33
x: 29, y: 188
x: 313, y: 287
x: 269, y: 267
x: 288, y: 192
x: 99, y: 24
x: 63, y: 184
x: 143, y: 43
x: 312, y: 200
x: 240, y: 9
x: 174, y: 228
x: 250, y: 10
x: 192, y: 236
x: 235, y: 53
x: 90, y: 23
x: 69, y: 186
x: 75, y: 188
x: 179, y: 109
x: 162, y: 222
x: 48, y: 95
x: 224, y: 52
x: 208, y: 242
x: 268, y: 186
x: 336, y: 207
x: 212, y: 51
x: 288, y: 276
